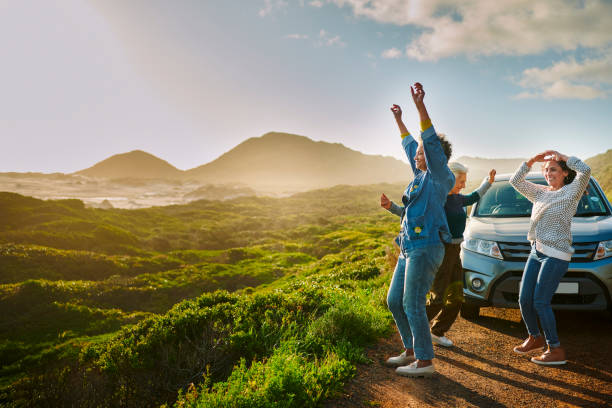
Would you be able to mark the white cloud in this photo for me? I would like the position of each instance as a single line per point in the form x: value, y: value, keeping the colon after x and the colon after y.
x: 563, y: 90
x: 484, y: 27
x: 590, y: 70
x: 297, y: 36
x: 570, y: 79
x: 326, y: 39
x: 270, y: 6
x: 322, y: 39
x: 474, y: 28
x: 316, y: 3
x: 391, y: 53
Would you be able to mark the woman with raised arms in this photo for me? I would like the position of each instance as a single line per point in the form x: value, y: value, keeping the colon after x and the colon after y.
x: 446, y: 295
x: 423, y: 232
x: 550, y: 234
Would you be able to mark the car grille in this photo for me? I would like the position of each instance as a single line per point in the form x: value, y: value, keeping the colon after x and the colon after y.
x: 519, y: 251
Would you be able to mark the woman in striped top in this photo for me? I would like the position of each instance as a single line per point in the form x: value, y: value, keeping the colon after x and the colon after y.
x: 550, y: 234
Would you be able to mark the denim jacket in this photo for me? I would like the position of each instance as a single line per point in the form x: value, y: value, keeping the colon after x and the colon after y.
x: 423, y: 218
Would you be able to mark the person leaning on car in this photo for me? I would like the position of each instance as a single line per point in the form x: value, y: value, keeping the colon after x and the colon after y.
x: 550, y: 235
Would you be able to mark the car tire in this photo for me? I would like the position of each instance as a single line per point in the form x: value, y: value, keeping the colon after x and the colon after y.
x: 470, y: 311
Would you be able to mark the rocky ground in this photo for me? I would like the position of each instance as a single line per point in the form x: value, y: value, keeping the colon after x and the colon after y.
x: 482, y: 371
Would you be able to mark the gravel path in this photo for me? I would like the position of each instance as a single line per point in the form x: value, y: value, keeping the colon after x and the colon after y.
x: 482, y: 371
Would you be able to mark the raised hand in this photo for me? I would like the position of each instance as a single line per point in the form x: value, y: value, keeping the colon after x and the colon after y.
x: 555, y: 155
x: 540, y: 157
x: 417, y: 93
x: 397, y: 111
x: 492, y: 174
x: 397, y: 114
x: 385, y: 202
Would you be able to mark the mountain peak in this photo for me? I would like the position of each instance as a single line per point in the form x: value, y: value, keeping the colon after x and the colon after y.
x: 133, y: 164
x: 137, y: 153
x: 279, y: 137
x: 279, y: 160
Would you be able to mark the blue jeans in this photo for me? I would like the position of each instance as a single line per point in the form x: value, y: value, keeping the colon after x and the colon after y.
x: 412, y: 279
x: 540, y: 280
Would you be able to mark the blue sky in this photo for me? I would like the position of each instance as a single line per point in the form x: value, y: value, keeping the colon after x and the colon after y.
x: 189, y: 80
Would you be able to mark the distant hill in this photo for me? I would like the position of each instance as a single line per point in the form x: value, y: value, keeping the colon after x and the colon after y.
x: 135, y: 164
x: 286, y: 161
x: 601, y: 166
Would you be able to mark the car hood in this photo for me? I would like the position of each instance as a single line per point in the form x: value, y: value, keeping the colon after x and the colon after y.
x: 584, y: 229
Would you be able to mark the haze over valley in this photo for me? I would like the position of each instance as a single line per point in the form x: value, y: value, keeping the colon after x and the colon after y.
x: 275, y: 164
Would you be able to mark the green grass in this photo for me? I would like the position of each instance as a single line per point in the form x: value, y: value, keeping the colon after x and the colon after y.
x: 187, y: 305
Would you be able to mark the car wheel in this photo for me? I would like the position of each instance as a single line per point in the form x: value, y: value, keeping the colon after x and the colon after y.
x: 470, y: 311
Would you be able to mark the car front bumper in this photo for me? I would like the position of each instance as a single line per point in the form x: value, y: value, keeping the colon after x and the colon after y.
x: 500, y: 283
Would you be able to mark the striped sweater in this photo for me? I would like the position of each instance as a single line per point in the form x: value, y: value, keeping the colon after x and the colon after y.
x: 551, y: 217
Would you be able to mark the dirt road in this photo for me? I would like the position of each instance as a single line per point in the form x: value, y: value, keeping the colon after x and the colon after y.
x: 482, y: 371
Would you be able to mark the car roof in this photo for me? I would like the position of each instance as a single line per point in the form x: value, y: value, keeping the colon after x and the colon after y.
x: 530, y: 176
x: 534, y: 175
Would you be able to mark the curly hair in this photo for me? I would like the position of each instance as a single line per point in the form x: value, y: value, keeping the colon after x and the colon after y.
x: 446, y: 146
x: 571, y: 174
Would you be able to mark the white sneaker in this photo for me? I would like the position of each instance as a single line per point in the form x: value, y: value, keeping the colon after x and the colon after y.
x: 413, y: 371
x: 441, y: 341
x: 400, y: 360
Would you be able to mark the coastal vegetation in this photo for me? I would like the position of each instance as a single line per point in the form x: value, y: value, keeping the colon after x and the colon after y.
x: 244, y: 302
x: 249, y: 301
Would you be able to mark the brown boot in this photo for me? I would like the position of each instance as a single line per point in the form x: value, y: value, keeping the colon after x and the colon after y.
x: 531, y: 344
x: 552, y: 356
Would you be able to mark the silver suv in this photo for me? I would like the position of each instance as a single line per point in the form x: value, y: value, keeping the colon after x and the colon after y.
x: 495, y: 250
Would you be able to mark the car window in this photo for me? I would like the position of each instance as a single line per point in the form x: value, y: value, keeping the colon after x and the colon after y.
x: 502, y: 200
x: 591, y: 203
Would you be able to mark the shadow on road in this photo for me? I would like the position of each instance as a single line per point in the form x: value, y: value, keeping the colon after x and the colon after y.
x: 505, y: 321
x: 501, y: 325
x: 444, y: 391
x: 528, y: 386
x: 547, y: 376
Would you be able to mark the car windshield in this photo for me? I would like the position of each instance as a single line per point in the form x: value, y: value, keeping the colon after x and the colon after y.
x: 502, y: 200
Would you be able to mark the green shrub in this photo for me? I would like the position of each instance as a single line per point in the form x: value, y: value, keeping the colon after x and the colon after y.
x: 287, y: 379
x: 289, y: 342
x: 347, y: 321
x: 109, y: 235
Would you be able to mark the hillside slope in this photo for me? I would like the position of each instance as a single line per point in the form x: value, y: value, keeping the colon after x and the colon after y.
x: 134, y: 164
x: 281, y: 160
x: 601, y: 166
x: 93, y: 324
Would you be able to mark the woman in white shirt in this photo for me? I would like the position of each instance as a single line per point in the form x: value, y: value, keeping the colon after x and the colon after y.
x: 550, y: 234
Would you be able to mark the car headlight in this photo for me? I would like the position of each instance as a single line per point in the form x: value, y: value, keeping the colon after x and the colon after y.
x: 604, y: 250
x: 484, y: 247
